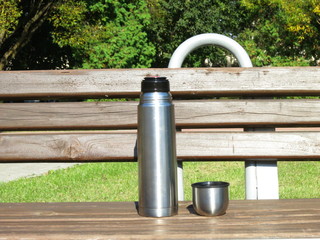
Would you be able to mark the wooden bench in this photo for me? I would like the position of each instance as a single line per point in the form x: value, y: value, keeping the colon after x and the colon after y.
x: 77, y: 131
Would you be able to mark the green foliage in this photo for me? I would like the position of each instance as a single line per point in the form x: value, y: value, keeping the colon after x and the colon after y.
x: 175, y: 21
x: 42, y: 53
x: 145, y: 33
x: 282, y: 33
x: 20, y: 20
x: 9, y: 15
x: 67, y: 20
x: 105, y: 34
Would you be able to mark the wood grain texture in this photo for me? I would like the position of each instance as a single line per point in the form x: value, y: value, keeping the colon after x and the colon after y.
x: 245, y: 219
x: 189, y: 114
x: 74, y: 147
x: 126, y: 82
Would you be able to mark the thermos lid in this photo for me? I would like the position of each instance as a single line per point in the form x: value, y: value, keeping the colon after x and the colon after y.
x: 155, y: 84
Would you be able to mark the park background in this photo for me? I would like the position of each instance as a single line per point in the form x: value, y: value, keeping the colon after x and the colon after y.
x: 87, y: 34
x: 95, y: 34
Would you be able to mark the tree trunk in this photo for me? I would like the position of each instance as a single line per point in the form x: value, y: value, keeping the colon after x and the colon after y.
x: 27, y: 26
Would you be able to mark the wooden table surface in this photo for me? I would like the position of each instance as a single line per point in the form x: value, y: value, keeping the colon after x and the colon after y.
x: 296, y: 218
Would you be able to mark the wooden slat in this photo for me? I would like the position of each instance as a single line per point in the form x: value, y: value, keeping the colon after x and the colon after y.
x: 68, y: 115
x: 126, y: 82
x: 254, y: 219
x: 74, y: 147
x: 123, y: 115
x: 64, y: 115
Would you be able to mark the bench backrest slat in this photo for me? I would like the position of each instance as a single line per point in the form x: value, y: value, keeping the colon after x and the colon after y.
x: 103, y: 146
x: 189, y: 114
x: 126, y: 82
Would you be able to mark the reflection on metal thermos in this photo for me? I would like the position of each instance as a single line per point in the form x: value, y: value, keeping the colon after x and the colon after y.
x: 157, y: 150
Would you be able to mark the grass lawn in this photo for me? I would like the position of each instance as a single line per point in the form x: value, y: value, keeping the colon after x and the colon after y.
x: 118, y: 182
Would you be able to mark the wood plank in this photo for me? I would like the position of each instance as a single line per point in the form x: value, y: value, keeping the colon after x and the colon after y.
x: 75, y: 147
x: 68, y: 115
x: 289, y: 218
x: 189, y: 114
x: 126, y: 82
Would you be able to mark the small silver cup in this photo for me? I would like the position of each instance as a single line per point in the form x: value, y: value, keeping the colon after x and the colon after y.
x: 210, y: 198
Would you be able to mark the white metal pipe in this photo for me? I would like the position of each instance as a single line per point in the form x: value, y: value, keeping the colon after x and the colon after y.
x: 209, y: 39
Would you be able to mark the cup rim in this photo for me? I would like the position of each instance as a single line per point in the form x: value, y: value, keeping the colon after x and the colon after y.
x: 210, y: 184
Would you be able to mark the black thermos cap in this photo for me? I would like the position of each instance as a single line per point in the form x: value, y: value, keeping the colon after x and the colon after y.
x: 155, y: 84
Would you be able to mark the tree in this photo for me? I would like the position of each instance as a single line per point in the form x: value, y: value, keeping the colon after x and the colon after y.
x: 282, y: 32
x: 19, y: 20
x: 175, y: 21
x: 105, y: 33
x: 145, y: 33
x: 80, y: 34
x: 42, y: 53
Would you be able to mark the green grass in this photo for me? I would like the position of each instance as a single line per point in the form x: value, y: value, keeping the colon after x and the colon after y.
x: 118, y: 182
x: 232, y: 172
x: 299, y: 179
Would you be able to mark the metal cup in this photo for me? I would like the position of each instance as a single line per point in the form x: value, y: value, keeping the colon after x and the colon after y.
x: 210, y: 198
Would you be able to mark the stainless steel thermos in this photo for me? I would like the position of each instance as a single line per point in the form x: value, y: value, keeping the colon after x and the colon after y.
x: 157, y: 162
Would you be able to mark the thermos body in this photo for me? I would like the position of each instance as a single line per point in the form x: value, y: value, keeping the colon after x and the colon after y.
x: 157, y: 153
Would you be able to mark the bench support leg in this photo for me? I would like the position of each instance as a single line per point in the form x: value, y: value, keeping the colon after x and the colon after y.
x: 261, y: 176
x: 262, y: 180
x: 180, y: 181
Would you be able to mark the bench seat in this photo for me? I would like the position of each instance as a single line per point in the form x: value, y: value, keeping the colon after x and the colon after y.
x: 245, y: 219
